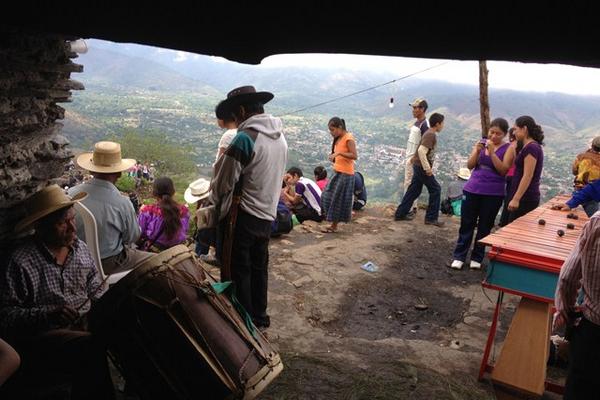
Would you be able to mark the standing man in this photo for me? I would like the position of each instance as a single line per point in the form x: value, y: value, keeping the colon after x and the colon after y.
x: 582, y: 270
x: 245, y: 190
x: 417, y: 130
x: 586, y: 169
x: 115, y: 216
x: 422, y: 163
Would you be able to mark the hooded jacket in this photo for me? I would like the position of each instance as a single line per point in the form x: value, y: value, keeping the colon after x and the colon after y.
x: 257, y: 155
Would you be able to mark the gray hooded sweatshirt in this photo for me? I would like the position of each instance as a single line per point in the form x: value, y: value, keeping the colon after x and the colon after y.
x: 257, y: 155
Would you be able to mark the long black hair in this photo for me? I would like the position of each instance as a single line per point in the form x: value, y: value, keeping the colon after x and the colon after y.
x: 163, y: 189
x: 336, y: 122
x: 534, y: 130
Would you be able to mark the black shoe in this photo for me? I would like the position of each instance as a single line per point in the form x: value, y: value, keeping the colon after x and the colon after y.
x: 406, y: 217
x: 437, y: 223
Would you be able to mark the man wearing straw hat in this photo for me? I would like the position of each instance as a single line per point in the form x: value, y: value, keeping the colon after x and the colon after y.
x: 245, y: 189
x: 117, y: 223
x: 50, y: 283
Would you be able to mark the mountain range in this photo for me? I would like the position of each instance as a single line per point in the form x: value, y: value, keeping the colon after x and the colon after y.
x: 131, y: 86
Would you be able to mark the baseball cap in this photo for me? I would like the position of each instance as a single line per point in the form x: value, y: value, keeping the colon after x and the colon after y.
x: 420, y: 102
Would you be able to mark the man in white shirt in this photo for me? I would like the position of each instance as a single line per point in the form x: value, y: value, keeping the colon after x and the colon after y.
x: 419, y: 107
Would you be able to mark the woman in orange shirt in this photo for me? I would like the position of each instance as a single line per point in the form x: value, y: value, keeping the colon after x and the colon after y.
x: 336, y: 200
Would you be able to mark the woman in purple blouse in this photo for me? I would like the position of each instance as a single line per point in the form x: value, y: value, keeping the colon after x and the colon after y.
x: 525, y: 186
x: 483, y: 193
x: 163, y: 224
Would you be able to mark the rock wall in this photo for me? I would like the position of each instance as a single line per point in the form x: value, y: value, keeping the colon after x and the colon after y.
x: 35, y: 75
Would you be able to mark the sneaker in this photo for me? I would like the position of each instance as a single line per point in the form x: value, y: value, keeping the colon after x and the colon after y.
x: 439, y: 224
x: 475, y: 265
x: 456, y: 264
x: 406, y: 217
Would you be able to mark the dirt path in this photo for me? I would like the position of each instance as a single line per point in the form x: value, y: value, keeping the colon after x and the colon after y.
x: 345, y: 333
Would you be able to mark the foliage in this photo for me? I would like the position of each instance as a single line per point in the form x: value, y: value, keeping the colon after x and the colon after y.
x: 169, y: 157
x: 126, y: 183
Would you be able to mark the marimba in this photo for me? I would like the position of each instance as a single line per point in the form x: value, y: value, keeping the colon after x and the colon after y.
x: 525, y: 259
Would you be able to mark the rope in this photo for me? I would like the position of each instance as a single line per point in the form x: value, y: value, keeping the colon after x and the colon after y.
x: 364, y: 90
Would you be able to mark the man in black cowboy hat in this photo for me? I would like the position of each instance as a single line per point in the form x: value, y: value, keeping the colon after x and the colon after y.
x: 249, y: 173
x: 49, y: 283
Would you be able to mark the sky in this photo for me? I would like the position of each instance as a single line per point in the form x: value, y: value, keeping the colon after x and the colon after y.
x: 502, y: 74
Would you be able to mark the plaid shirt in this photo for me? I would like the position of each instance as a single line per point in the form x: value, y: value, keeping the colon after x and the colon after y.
x: 33, y: 285
x: 582, y: 269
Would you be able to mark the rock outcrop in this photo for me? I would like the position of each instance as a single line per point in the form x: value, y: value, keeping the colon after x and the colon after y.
x: 35, y: 73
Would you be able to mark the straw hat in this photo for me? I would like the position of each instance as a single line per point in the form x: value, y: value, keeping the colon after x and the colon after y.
x: 197, y: 190
x: 44, y: 202
x: 464, y: 173
x: 106, y: 158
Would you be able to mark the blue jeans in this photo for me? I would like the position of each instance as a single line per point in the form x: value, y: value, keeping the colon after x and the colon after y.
x: 414, y: 191
x: 477, y: 211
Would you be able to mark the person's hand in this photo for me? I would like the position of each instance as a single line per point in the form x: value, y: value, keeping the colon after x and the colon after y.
x: 559, y: 320
x: 429, y: 172
x: 332, y: 156
x: 561, y: 207
x: 63, y: 316
x: 513, y: 205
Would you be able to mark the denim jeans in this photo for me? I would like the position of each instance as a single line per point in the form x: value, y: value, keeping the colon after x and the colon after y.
x: 477, y: 211
x: 414, y: 191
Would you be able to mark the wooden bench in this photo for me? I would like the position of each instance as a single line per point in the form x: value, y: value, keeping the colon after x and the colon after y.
x: 520, y: 371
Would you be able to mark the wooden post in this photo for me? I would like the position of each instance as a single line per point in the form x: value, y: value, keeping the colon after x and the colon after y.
x: 484, y: 104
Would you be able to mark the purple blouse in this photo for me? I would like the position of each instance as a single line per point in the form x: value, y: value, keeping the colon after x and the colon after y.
x: 150, y: 220
x: 533, y: 191
x: 485, y: 179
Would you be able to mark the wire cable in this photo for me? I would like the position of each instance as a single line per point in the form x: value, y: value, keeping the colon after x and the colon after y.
x: 364, y: 90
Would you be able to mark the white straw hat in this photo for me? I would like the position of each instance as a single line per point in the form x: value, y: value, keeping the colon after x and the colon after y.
x: 197, y: 190
x: 106, y: 158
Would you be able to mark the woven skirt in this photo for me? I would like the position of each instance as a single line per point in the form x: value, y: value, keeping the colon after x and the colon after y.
x: 336, y: 200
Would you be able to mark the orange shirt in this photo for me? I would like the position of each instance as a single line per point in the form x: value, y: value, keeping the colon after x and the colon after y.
x: 343, y: 164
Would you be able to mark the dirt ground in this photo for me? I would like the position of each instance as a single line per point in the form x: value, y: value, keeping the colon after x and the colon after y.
x: 345, y: 333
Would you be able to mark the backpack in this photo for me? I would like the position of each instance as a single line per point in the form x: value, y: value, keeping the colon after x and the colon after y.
x: 283, y: 221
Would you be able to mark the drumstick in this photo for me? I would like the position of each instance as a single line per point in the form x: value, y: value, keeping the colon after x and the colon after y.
x: 89, y: 299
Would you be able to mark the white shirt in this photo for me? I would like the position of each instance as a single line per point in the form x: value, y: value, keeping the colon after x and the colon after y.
x: 225, y: 140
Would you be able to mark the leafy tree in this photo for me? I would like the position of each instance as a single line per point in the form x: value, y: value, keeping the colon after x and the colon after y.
x: 169, y: 157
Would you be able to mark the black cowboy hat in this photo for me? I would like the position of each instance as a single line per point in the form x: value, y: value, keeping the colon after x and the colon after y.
x: 244, y: 95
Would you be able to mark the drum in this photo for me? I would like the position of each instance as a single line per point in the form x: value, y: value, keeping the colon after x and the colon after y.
x: 175, y: 337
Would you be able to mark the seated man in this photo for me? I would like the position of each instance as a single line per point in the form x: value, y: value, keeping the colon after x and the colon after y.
x: 590, y: 192
x: 586, y: 169
x: 360, y: 192
x: 117, y: 222
x: 46, y: 289
x: 304, y: 196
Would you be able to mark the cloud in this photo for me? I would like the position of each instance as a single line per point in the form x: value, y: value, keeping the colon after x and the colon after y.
x: 181, y: 56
